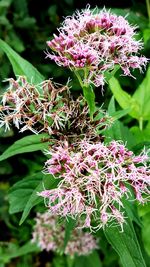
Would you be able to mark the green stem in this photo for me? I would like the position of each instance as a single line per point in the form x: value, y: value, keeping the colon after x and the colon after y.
x: 87, y: 92
x: 141, y: 123
x: 70, y: 261
x: 86, y: 72
x: 79, y: 78
x: 148, y: 8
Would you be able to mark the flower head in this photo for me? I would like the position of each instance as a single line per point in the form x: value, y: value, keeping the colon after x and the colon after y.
x: 47, y: 108
x: 49, y: 235
x: 94, y: 179
x: 96, y: 41
x: 33, y: 107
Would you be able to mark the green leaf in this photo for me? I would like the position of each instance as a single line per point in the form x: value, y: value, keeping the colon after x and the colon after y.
x: 139, y: 147
x: 142, y: 96
x: 123, y: 98
x: 140, y: 136
x: 111, y: 106
x: 70, y: 225
x: 132, y: 211
x: 21, y: 191
x: 48, y: 182
x: 26, y: 144
x: 90, y: 98
x: 15, y: 42
x: 118, y: 131
x: 25, y: 249
x: 120, y: 113
x: 138, y: 103
x: 23, y: 195
x: 70, y: 261
x: 146, y: 232
x: 112, y: 110
x: 21, y: 8
x: 20, y: 65
x: 13, y: 251
x: 26, y: 22
x: 59, y: 261
x: 144, y: 209
x: 91, y: 260
x: 144, y: 212
x: 4, y: 21
x: 126, y: 245
x: 109, y: 74
x: 146, y: 35
x: 4, y: 5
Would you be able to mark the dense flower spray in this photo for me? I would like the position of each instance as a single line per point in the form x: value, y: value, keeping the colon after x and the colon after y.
x: 50, y: 108
x: 49, y: 235
x: 94, y: 180
x: 95, y: 42
x: 37, y: 108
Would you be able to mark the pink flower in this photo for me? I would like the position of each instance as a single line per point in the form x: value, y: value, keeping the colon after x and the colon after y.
x: 49, y: 234
x: 94, y: 178
x: 78, y: 56
x: 95, y: 42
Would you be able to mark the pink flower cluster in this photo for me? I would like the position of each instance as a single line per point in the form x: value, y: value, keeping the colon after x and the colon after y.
x: 94, y: 179
x: 49, y: 235
x: 96, y: 42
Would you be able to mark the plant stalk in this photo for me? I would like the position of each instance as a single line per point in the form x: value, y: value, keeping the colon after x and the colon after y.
x: 148, y: 8
x: 141, y: 124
